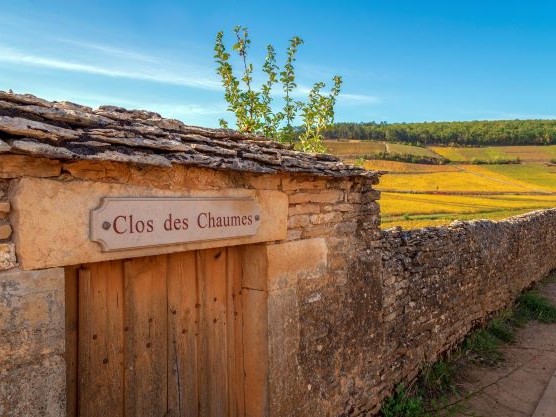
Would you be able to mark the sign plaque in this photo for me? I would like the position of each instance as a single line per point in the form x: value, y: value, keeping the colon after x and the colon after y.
x: 126, y: 223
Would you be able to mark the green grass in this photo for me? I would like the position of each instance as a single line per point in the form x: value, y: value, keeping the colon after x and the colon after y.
x: 497, y: 153
x: 539, y: 175
x: 534, y: 306
x: 441, y: 219
x: 398, y: 148
x: 483, y: 347
x: 403, y: 403
x: 438, y: 379
x: 489, y: 154
x: 456, y: 154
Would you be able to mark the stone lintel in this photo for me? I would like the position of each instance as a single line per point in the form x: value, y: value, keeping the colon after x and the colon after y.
x: 50, y: 220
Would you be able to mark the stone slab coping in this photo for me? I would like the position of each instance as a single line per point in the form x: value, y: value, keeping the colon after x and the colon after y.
x: 68, y: 131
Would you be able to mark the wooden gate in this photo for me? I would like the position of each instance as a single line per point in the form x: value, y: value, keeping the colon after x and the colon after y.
x: 157, y: 336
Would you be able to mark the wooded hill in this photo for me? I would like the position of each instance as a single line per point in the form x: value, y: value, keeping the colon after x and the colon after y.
x: 473, y: 133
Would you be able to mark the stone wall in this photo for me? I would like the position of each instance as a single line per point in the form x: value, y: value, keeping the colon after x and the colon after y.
x: 418, y: 298
x: 325, y: 216
x: 32, y: 343
x: 349, y: 310
x: 438, y: 283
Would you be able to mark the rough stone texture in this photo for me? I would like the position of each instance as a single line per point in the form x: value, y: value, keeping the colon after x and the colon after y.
x: 324, y: 316
x: 33, y: 126
x: 438, y: 283
x: 32, y: 338
x: 339, y: 343
x: 7, y: 256
x: 5, y: 231
x: 13, y: 166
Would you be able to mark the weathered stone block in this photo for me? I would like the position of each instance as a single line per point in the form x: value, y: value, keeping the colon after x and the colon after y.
x: 285, y: 382
x: 294, y: 234
x: 328, y: 196
x: 5, y: 231
x: 31, y: 314
x: 303, y: 209
x: 294, y: 184
x: 291, y: 261
x: 344, y: 207
x: 7, y: 256
x: 34, y: 389
x: 316, y: 230
x: 265, y: 182
x: 302, y: 220
x: 32, y: 343
x: 13, y: 166
x: 325, y: 218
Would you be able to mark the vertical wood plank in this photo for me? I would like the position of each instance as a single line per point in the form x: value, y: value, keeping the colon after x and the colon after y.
x: 146, y: 337
x: 183, y: 317
x: 212, y: 368
x: 71, y: 294
x: 236, y: 397
x: 254, y: 296
x: 101, y: 340
x: 255, y: 339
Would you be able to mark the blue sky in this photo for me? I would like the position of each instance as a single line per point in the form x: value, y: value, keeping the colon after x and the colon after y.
x: 400, y: 60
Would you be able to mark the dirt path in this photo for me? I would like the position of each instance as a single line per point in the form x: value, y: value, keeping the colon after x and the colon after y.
x: 514, y: 388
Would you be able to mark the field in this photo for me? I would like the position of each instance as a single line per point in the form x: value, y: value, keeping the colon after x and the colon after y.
x: 353, y: 148
x: 524, y: 153
x: 419, y: 195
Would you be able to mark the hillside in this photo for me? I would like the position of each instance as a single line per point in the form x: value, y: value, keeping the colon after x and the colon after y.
x: 471, y: 133
x: 475, y: 183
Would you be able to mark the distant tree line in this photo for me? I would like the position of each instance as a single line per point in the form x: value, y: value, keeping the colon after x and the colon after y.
x: 473, y: 133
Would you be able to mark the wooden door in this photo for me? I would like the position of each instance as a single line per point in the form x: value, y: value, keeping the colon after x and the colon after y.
x: 158, y: 336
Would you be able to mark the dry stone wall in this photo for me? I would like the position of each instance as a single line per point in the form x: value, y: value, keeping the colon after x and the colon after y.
x: 407, y: 297
x: 438, y: 283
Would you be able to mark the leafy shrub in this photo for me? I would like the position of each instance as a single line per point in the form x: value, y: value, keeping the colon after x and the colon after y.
x: 408, y: 157
x: 252, y: 107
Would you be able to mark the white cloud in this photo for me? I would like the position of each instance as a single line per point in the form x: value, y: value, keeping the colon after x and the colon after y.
x: 189, y: 109
x: 166, y: 109
x: 135, y: 72
x: 111, y: 50
x: 344, y: 98
x: 348, y: 98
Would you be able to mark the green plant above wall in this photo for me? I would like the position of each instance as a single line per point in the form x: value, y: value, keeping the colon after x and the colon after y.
x: 254, y: 108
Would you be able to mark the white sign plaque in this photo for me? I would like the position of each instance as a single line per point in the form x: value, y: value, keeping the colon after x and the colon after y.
x: 125, y: 223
